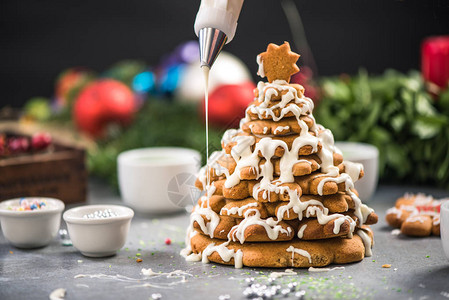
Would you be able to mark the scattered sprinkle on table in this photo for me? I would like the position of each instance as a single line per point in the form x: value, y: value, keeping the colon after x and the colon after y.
x: 270, y: 290
x: 101, y: 214
x: 139, y: 260
x: 386, y: 266
x: 10, y: 252
x: 167, y: 241
x: 156, y: 296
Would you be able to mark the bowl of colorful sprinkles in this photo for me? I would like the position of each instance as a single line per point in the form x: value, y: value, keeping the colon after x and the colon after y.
x: 98, y: 230
x: 30, y: 222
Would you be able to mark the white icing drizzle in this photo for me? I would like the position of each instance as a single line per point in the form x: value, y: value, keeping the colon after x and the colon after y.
x: 238, y: 210
x: 317, y: 270
x: 260, y: 71
x: 323, y: 218
x: 395, y: 211
x: 218, y: 169
x: 187, y: 252
x: 145, y: 281
x: 280, y: 129
x: 421, y: 199
x: 193, y: 257
x: 237, y: 233
x: 265, y: 130
x: 301, y: 252
x: 301, y: 231
x: 415, y: 218
x: 353, y: 170
x: 288, y: 272
x: 361, y: 211
x: 212, y: 217
x: 366, y: 239
x: 409, y: 208
x: 436, y: 221
x: 225, y: 253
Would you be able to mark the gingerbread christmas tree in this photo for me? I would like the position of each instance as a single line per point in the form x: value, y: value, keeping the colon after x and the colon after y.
x: 279, y: 194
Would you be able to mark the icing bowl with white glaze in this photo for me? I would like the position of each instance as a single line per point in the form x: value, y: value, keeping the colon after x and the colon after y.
x: 158, y: 180
x: 444, y: 226
x: 31, y: 228
x: 368, y: 156
x: 98, y: 237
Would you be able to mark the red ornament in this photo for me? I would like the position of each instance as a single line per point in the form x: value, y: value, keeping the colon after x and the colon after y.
x: 101, y: 103
x: 227, y: 104
x: 435, y: 62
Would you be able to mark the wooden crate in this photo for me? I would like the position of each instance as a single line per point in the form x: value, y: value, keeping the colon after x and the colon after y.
x: 60, y: 173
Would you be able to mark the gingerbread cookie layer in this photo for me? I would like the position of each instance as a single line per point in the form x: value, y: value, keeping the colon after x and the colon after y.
x: 295, y: 253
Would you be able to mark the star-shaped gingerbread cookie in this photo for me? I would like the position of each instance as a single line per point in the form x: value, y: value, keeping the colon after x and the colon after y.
x: 278, y: 62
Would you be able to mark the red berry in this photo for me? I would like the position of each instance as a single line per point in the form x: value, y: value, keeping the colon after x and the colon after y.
x: 2, y: 145
x: 18, y: 144
x: 167, y: 241
x: 40, y: 141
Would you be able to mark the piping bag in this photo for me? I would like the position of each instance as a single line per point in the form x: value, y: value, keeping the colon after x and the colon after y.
x: 215, y: 26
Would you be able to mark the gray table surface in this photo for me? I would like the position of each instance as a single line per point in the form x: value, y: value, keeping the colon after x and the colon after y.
x: 419, y: 269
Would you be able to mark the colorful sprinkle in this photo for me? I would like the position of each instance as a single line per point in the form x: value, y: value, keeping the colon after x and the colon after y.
x: 29, y: 204
x: 139, y: 260
x: 386, y: 266
x: 167, y: 241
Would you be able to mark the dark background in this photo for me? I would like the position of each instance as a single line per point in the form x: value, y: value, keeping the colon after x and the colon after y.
x: 41, y: 38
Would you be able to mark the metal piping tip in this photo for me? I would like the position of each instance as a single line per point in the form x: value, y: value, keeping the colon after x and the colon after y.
x: 211, y: 42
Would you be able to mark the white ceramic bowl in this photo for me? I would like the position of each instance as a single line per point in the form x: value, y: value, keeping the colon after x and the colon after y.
x: 368, y: 156
x: 31, y: 229
x: 444, y: 226
x: 98, y: 237
x: 158, y: 180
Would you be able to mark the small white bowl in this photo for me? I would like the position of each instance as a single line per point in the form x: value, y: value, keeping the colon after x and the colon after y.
x: 158, y: 180
x: 444, y: 226
x: 98, y: 237
x: 34, y: 228
x: 368, y: 156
